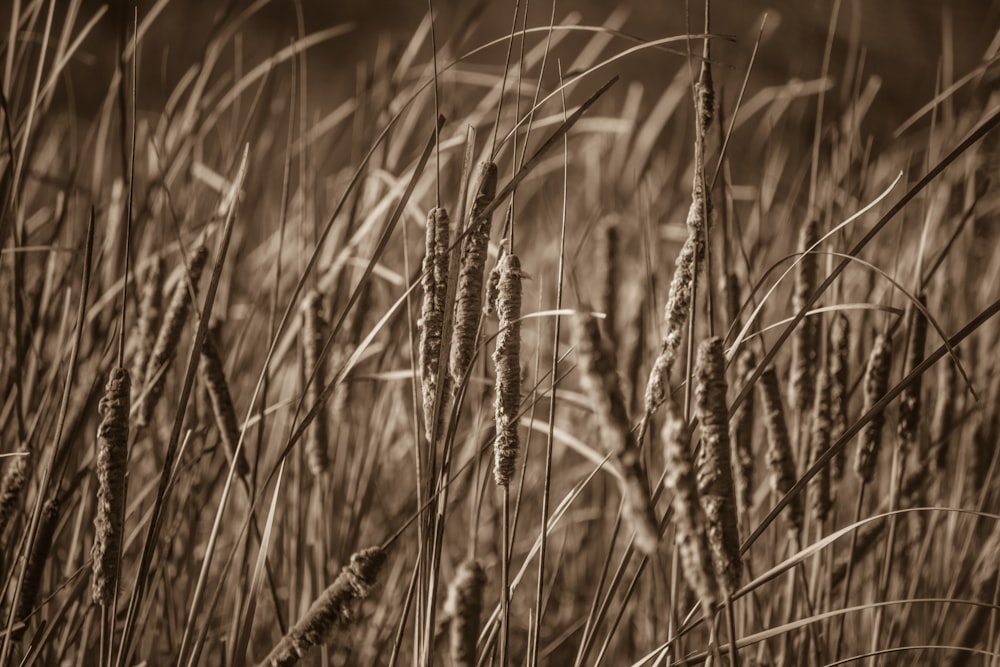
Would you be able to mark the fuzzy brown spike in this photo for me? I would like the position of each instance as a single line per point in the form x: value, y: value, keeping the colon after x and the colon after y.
x: 741, y: 436
x: 213, y: 378
x: 469, y: 292
x: 168, y: 338
x: 507, y: 361
x: 689, y: 519
x: 944, y: 414
x: 335, y: 607
x: 112, y: 459
x: 35, y: 566
x: 819, y: 486
x: 464, y: 607
x: 876, y: 384
x: 780, y: 460
x: 715, y: 478
x: 15, y: 477
x: 805, y: 342
x: 600, y: 380
x: 435, y: 289
x: 607, y: 265
x: 910, y: 407
x: 314, y: 334
x: 840, y: 340
x: 150, y: 315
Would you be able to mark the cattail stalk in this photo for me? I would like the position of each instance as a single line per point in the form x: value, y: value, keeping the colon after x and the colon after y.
x: 314, y: 333
x: 168, y: 338
x: 507, y: 361
x: 805, y: 342
x: 819, y: 486
x: 469, y: 292
x: 741, y: 437
x: 876, y: 383
x: 780, y: 461
x: 435, y: 290
x: 464, y: 607
x: 910, y: 407
x: 689, y: 518
x: 607, y: 264
x: 840, y: 339
x: 600, y: 380
x: 715, y: 478
x: 15, y: 477
x: 943, y: 420
x: 35, y: 566
x: 150, y: 316
x: 335, y: 607
x: 112, y: 459
x: 213, y: 378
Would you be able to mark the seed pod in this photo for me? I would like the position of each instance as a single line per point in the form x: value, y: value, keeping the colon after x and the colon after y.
x: 780, y: 460
x: 464, y: 606
x: 168, y: 338
x: 715, y: 478
x: 840, y: 335
x: 469, y: 292
x: 909, y: 401
x: 600, y: 381
x: 944, y: 415
x: 607, y: 265
x: 819, y: 486
x: 741, y: 436
x: 35, y: 566
x: 333, y: 608
x: 507, y: 361
x: 15, y: 476
x: 689, y: 519
x: 805, y: 342
x: 315, y: 330
x: 435, y: 288
x: 213, y: 378
x: 112, y: 459
x: 730, y: 287
x: 876, y: 383
x: 150, y: 314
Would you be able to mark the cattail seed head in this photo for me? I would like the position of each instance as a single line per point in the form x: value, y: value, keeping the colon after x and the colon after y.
x: 819, y: 486
x: 464, y: 606
x: 715, y: 478
x: 608, y: 269
x: 943, y: 420
x: 910, y: 407
x: 742, y: 436
x: 689, y: 518
x: 876, y: 383
x: 469, y: 292
x: 15, y: 476
x: 315, y: 330
x: 112, y: 459
x: 333, y: 608
x: 600, y: 381
x: 507, y: 361
x: 35, y: 566
x: 840, y: 340
x: 213, y: 378
x: 780, y: 461
x: 435, y: 289
x: 150, y: 314
x: 805, y: 342
x: 168, y: 338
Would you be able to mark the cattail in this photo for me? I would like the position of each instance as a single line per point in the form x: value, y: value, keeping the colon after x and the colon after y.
x: 692, y: 543
x: 943, y: 420
x: 34, y: 568
x: 112, y: 459
x: 464, y: 607
x: 742, y: 436
x: 840, y: 338
x: 168, y: 338
x: 715, y: 477
x: 876, y: 383
x: 435, y: 287
x: 213, y: 378
x: 779, y: 447
x: 607, y: 266
x: 469, y: 293
x: 600, y: 380
x: 150, y: 314
x: 805, y: 342
x: 819, y: 486
x: 314, y: 334
x: 15, y: 476
x: 730, y: 288
x: 909, y: 401
x: 507, y: 360
x: 334, y: 607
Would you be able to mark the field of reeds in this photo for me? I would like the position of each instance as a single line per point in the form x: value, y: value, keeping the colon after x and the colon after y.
x: 505, y: 359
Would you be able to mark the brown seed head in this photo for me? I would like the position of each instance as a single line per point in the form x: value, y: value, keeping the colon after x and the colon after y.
x: 507, y: 361
x: 315, y: 331
x: 780, y: 460
x: 464, y: 606
x: 876, y: 383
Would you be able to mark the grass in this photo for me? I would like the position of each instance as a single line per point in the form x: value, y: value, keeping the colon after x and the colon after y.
x: 379, y: 292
